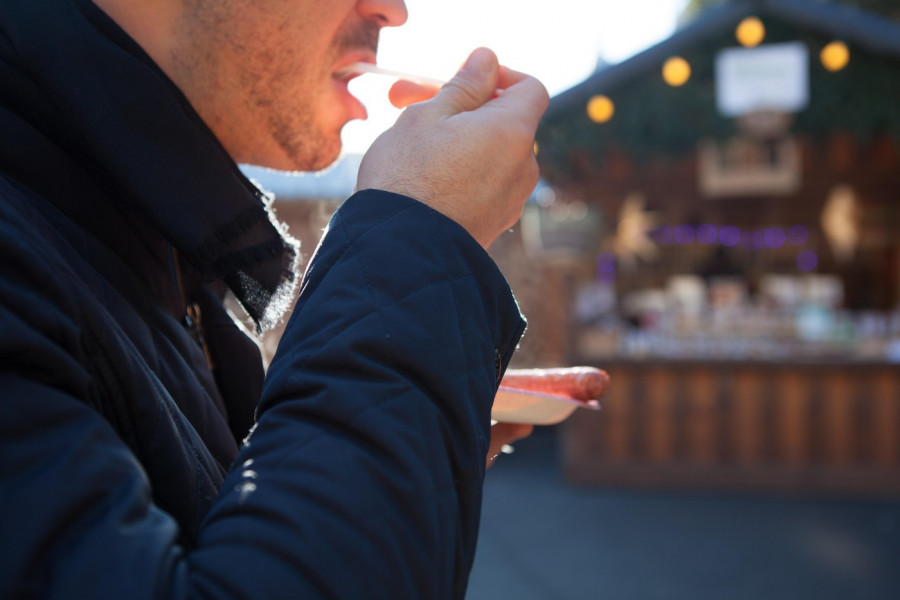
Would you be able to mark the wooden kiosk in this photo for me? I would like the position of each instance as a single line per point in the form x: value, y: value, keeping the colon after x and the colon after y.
x: 752, y: 389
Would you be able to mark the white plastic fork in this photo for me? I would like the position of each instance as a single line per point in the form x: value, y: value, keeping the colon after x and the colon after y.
x: 363, y: 67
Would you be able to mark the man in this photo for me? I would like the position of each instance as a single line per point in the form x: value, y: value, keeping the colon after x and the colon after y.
x: 126, y: 390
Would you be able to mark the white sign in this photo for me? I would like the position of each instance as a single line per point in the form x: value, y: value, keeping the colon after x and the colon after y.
x: 770, y: 77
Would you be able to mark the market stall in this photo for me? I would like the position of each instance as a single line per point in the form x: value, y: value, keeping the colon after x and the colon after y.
x: 729, y: 202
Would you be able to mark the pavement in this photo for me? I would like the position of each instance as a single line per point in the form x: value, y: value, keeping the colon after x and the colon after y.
x: 542, y: 539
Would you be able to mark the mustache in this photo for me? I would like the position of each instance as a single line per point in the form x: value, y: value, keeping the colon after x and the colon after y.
x: 363, y: 36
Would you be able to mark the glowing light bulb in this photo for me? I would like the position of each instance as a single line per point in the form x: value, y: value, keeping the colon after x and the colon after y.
x: 835, y: 56
x: 676, y: 71
x: 750, y: 32
x: 600, y: 109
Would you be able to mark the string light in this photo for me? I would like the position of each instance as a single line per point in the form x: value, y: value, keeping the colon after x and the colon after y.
x: 707, y: 234
x: 728, y: 235
x: 835, y: 56
x: 807, y: 260
x: 750, y: 32
x: 600, y: 109
x: 676, y: 71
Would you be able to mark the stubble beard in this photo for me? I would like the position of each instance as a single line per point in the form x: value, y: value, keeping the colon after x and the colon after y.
x: 301, y: 134
x: 281, y: 106
x: 305, y: 145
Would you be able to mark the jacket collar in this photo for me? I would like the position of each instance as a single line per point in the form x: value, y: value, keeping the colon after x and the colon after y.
x: 77, y: 78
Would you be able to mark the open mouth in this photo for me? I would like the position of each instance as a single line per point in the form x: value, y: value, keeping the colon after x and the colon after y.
x: 351, y: 66
x: 352, y: 105
x: 345, y: 74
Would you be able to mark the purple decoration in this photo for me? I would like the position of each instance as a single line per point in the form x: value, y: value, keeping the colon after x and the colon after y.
x: 684, y: 234
x: 759, y: 240
x: 729, y: 236
x: 707, y: 234
x: 807, y: 260
x: 797, y: 235
x: 664, y: 235
x: 606, y: 262
x: 774, y: 237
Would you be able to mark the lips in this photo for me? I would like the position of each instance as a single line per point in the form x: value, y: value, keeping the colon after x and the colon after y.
x: 342, y: 77
x: 353, y: 108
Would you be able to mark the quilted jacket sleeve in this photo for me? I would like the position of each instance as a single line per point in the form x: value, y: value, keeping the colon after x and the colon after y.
x: 363, y: 476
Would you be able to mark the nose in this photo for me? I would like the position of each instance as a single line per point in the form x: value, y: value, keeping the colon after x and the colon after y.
x: 387, y: 13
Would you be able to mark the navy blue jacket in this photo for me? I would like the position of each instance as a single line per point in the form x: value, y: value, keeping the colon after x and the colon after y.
x: 124, y: 472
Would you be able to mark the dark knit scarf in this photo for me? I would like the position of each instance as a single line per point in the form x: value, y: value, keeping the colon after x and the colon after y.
x: 70, y: 72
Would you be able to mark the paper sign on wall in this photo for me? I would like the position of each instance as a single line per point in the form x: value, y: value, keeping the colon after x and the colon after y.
x: 771, y: 77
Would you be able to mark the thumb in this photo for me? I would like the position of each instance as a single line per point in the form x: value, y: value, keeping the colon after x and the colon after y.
x: 473, y: 85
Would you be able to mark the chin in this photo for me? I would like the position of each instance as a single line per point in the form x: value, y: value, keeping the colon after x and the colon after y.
x: 322, y: 162
x: 305, y: 162
x: 312, y: 157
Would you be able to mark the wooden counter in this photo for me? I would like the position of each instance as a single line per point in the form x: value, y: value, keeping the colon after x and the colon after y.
x: 794, y: 427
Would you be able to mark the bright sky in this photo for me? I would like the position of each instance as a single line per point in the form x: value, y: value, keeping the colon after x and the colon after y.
x: 557, y: 41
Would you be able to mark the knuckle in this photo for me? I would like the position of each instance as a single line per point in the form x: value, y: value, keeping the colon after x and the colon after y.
x: 520, y: 136
x: 466, y: 89
x: 541, y: 97
x: 534, y: 171
x: 412, y: 114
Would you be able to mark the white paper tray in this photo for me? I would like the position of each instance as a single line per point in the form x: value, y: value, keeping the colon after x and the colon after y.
x: 521, y: 406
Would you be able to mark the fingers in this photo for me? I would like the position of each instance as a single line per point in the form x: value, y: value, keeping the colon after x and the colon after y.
x: 503, y: 434
x: 523, y: 94
x: 403, y: 93
x: 481, y: 79
x: 473, y: 85
x: 467, y: 152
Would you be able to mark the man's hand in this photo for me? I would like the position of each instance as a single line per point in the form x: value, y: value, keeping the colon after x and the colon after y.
x: 468, y: 151
x: 503, y: 434
x: 403, y: 93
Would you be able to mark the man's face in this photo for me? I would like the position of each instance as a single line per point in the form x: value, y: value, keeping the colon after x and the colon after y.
x: 262, y: 73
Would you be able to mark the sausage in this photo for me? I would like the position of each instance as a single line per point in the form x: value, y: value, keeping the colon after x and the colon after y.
x: 579, y: 383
